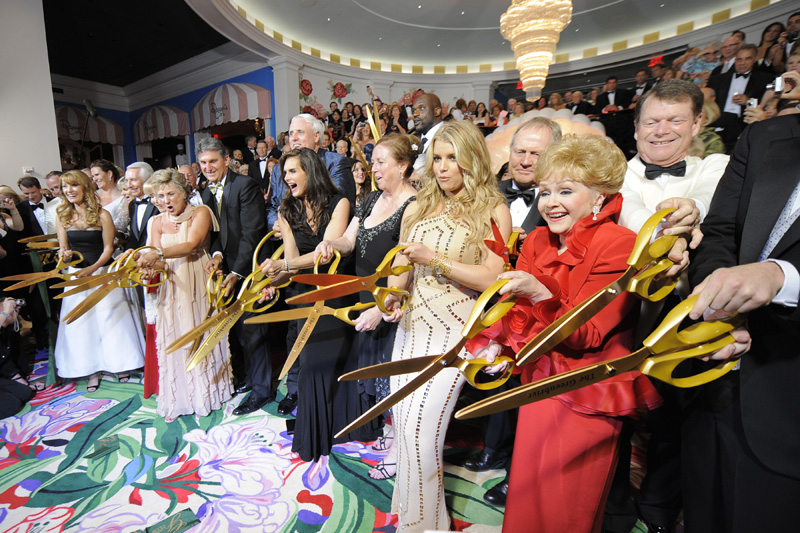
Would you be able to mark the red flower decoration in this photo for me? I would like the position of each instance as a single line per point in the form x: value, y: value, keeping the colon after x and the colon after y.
x: 339, y: 90
x: 310, y: 110
x: 305, y: 87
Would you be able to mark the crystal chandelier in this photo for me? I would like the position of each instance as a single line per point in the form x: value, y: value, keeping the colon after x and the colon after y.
x: 533, y: 27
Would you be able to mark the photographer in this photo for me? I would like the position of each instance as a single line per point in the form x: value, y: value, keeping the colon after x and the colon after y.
x: 15, y: 391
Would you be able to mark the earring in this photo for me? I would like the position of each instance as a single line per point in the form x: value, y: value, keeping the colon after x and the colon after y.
x: 595, y: 210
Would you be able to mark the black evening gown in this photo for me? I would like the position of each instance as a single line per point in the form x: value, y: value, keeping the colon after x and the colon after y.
x: 325, y: 405
x: 372, y: 245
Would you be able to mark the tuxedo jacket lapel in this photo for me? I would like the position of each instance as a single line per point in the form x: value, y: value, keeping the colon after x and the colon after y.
x: 762, y: 213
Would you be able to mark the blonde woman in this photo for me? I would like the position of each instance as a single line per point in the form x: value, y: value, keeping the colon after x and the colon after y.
x: 445, y: 231
x: 108, y: 337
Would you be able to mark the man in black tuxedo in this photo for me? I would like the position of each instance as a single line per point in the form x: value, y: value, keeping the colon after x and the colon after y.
x: 641, y: 87
x: 32, y: 212
x: 612, y: 106
x: 258, y: 167
x: 249, y: 153
x: 742, y: 442
x: 238, y: 203
x: 272, y: 149
x: 140, y: 208
x: 521, y: 191
x: 734, y: 89
x: 578, y: 105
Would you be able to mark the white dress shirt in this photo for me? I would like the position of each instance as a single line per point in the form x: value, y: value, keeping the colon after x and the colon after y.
x: 738, y: 85
x: 519, y: 209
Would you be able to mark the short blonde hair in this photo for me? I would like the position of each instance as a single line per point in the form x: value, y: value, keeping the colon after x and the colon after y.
x: 590, y: 160
x: 168, y: 176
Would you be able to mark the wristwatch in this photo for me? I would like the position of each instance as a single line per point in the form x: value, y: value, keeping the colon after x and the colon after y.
x: 440, y: 265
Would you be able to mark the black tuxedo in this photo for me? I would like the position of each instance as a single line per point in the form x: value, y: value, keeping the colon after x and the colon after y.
x: 138, y: 233
x: 622, y: 99
x: 254, y: 172
x: 29, y: 220
x: 584, y: 108
x: 276, y: 153
x: 758, y: 405
x: 242, y: 220
x: 534, y: 218
x: 731, y: 124
x: 647, y: 87
x: 247, y: 156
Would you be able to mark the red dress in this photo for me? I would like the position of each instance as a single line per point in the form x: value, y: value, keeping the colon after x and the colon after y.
x: 565, y: 449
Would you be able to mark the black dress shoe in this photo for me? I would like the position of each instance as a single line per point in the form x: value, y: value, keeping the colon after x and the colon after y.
x: 241, y: 389
x: 287, y: 405
x: 252, y: 404
x: 480, y: 461
x: 497, y: 494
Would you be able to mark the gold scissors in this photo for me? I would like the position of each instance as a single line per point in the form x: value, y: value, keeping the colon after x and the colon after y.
x: 646, y: 262
x: 123, y: 274
x: 216, y: 300
x: 38, y: 238
x: 26, y: 280
x: 311, y: 314
x: 225, y: 319
x: 432, y: 365
x: 663, y: 351
x: 336, y: 285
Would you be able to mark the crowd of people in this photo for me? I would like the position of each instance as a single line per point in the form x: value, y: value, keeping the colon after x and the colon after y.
x: 576, y: 204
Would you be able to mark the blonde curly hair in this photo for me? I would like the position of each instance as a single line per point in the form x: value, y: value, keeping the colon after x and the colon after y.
x: 588, y: 159
x: 480, y: 194
x: 66, y: 211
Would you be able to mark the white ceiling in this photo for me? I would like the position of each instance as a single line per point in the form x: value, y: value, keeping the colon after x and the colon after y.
x: 427, y: 32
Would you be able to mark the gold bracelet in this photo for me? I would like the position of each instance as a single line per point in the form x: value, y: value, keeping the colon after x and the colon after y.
x: 441, y: 266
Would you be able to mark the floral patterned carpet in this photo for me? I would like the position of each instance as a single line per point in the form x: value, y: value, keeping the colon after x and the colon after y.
x: 233, y: 473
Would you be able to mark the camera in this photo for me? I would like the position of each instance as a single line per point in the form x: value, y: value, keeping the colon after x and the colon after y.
x: 752, y: 103
x: 791, y: 36
x: 20, y: 302
x: 777, y: 85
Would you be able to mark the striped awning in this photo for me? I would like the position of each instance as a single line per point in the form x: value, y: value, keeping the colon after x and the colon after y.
x: 70, y: 121
x: 159, y: 122
x: 232, y: 102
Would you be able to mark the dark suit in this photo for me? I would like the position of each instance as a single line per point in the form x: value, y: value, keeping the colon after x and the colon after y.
x: 254, y: 172
x: 584, y: 108
x: 618, y: 124
x: 340, y: 169
x: 30, y: 221
x: 647, y: 87
x: 247, y: 155
x: 742, y: 441
x: 138, y: 233
x: 36, y: 309
x: 731, y: 124
x: 242, y: 226
x: 622, y: 99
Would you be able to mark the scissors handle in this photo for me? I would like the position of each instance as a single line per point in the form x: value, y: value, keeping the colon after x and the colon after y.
x: 61, y: 264
x: 337, y: 257
x: 662, y: 367
x: 343, y: 314
x: 648, y: 287
x: 471, y: 367
x: 385, y: 267
x: 216, y: 295
x: 480, y: 319
x: 260, y: 245
x: 380, y: 294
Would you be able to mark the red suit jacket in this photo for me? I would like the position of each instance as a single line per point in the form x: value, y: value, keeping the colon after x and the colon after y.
x: 596, y: 255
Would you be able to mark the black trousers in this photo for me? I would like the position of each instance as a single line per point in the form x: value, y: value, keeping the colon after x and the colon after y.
x: 13, y: 397
x: 726, y: 487
x: 250, y: 345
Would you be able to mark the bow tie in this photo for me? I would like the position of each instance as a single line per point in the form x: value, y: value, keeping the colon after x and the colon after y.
x: 611, y: 92
x: 746, y: 74
x: 528, y: 195
x: 651, y: 171
x: 143, y: 201
x: 34, y: 207
x: 214, y: 187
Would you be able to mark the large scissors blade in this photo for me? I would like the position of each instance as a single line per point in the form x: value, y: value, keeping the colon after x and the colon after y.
x: 302, y: 338
x: 433, y: 368
x: 561, y: 329
x: 280, y: 316
x: 38, y: 238
x: 391, y: 368
x: 199, y: 330
x: 230, y: 317
x: 43, y: 245
x: 323, y: 280
x: 87, y: 283
x: 25, y: 282
x: 330, y: 292
x: 90, y: 301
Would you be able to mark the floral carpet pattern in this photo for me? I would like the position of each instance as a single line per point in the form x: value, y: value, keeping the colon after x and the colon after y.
x: 233, y: 473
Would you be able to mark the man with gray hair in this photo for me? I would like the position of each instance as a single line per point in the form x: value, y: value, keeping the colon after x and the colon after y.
x: 140, y: 209
x: 249, y: 154
x: 305, y: 131
x: 238, y: 203
x: 191, y: 178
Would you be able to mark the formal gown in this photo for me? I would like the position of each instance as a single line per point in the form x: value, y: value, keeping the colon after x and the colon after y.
x: 182, y: 305
x: 109, y: 336
x: 431, y: 325
x: 324, y: 405
x: 372, y: 244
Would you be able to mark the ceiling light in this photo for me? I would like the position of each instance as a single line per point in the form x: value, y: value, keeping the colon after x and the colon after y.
x: 534, y: 27
x: 419, y: 6
x: 438, y: 45
x: 329, y: 19
x: 462, y: 12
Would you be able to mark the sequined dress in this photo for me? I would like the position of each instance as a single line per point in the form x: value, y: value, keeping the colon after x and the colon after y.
x: 431, y: 325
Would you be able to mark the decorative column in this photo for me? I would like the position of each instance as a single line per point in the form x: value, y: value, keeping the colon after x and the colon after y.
x: 285, y: 71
